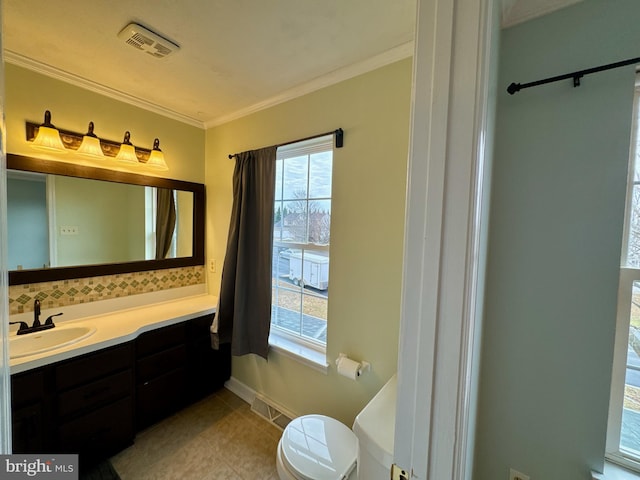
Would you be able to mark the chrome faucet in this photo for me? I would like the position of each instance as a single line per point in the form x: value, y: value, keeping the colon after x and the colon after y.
x: 37, y: 326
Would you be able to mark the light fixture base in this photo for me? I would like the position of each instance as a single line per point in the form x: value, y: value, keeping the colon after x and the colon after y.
x: 73, y: 140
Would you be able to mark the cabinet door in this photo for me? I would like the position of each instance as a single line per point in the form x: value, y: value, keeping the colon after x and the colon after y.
x: 28, y: 429
x: 162, y: 396
x: 29, y: 412
x: 207, y: 369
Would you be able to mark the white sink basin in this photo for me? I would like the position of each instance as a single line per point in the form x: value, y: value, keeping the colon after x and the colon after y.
x: 38, y: 342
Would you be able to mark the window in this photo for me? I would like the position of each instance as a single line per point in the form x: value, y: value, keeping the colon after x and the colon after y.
x: 623, y: 433
x: 301, y: 238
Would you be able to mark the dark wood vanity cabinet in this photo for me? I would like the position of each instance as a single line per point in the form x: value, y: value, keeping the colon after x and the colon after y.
x: 161, y: 362
x: 176, y: 366
x: 207, y: 369
x: 30, y: 412
x: 93, y: 404
x: 82, y: 405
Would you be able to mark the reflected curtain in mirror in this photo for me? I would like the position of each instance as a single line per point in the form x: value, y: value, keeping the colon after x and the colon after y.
x: 165, y: 221
x: 244, y: 306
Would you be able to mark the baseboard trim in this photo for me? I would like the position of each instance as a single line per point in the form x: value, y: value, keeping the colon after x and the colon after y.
x: 245, y: 392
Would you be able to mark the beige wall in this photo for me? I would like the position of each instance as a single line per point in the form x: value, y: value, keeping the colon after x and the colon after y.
x: 369, y: 182
x: 29, y: 94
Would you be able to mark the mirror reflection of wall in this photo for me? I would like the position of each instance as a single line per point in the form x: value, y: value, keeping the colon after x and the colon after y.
x: 27, y: 221
x: 89, y: 222
x: 98, y: 222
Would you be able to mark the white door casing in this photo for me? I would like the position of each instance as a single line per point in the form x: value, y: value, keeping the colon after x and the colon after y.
x: 445, y: 240
x: 5, y: 393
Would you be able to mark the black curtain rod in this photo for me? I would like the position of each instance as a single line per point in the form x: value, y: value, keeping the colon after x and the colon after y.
x: 339, y: 133
x: 516, y: 87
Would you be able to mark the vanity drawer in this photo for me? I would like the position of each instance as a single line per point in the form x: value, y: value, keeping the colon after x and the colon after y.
x: 93, y: 366
x: 100, y: 433
x: 27, y: 388
x: 160, y: 363
x: 152, y: 342
x: 95, y: 393
x: 200, y: 327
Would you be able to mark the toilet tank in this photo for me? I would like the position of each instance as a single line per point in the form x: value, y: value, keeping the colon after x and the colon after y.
x: 375, y: 427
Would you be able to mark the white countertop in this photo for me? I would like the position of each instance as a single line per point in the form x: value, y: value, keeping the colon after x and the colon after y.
x: 120, y: 326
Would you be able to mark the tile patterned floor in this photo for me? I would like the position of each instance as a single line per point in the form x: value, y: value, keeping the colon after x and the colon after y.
x: 216, y: 438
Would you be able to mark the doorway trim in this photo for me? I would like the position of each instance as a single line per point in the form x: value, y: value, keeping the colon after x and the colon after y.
x: 445, y: 237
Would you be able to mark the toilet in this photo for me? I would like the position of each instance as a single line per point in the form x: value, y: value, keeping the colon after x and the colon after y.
x: 317, y: 447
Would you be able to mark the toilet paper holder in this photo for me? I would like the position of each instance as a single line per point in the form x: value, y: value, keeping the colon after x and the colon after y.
x: 363, y: 366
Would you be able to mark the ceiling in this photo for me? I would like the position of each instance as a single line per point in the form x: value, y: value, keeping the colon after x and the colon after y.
x: 235, y: 56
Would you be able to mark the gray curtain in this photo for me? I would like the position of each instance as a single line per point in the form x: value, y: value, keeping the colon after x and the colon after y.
x: 165, y: 221
x: 244, y: 306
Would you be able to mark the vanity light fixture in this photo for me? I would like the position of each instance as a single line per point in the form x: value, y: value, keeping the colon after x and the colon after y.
x: 56, y: 140
x: 156, y: 157
x: 127, y: 152
x: 90, y: 145
x: 48, y: 137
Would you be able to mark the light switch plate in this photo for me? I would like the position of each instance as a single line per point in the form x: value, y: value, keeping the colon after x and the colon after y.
x: 69, y: 230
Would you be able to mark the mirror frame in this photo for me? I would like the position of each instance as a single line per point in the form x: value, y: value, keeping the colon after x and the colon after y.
x: 30, y: 164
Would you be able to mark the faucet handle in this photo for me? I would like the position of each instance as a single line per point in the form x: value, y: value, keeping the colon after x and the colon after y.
x: 23, y: 326
x: 49, y: 320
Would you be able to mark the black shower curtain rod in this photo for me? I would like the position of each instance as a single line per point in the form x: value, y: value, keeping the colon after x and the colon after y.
x: 339, y: 133
x: 516, y: 87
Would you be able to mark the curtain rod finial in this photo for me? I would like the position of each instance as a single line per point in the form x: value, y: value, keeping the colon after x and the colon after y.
x: 513, y: 88
x: 339, y: 138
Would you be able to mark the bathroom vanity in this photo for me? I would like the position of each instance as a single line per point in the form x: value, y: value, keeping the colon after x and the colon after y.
x: 93, y: 403
x: 128, y: 366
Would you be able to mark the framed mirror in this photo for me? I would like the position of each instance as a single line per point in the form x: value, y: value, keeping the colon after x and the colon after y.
x: 70, y: 221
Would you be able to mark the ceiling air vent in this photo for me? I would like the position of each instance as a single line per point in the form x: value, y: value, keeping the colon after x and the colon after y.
x: 146, y: 41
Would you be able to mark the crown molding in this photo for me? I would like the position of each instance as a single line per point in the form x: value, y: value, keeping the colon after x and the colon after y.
x: 520, y: 11
x: 53, y: 72
x: 390, y: 56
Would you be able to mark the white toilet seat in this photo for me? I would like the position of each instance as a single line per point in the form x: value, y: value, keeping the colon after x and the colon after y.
x: 316, y: 447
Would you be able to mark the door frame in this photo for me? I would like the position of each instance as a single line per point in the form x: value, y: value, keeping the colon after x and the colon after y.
x: 445, y: 237
x: 5, y: 373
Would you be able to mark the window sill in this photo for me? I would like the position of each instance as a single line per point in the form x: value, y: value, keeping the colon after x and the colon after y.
x: 615, y: 472
x: 305, y: 355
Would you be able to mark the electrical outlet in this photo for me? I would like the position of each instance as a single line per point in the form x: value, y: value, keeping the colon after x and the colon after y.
x: 516, y: 475
x: 212, y: 265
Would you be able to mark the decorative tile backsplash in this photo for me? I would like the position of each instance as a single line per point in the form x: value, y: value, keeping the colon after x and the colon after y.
x: 62, y: 293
